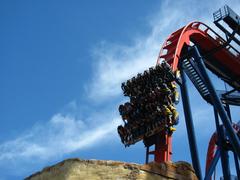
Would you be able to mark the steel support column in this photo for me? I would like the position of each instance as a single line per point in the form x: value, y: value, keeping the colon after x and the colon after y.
x: 236, y: 165
x: 190, y: 127
x: 234, y: 153
x: 216, y: 101
x: 227, y: 108
x: 147, y: 155
x: 163, y: 147
x: 212, y: 166
x: 224, y: 153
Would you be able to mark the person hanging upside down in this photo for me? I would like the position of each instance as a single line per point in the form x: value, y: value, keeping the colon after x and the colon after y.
x: 175, y: 95
x: 175, y: 115
x: 122, y: 133
x: 167, y: 113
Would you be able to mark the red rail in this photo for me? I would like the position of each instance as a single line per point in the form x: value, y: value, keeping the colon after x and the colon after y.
x: 212, y: 146
x: 225, y: 62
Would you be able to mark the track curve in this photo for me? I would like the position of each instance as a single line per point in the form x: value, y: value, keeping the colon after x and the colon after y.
x: 212, y: 146
x: 224, y: 62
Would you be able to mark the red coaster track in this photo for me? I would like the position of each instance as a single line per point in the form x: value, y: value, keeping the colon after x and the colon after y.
x: 225, y: 62
x: 212, y: 146
x: 219, y: 57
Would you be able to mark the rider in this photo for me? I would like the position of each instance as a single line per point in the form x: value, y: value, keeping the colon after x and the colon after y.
x: 175, y: 115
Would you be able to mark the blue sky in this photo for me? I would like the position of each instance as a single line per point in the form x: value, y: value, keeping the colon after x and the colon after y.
x: 62, y: 64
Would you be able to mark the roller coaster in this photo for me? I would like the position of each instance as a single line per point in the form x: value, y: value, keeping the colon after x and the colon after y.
x: 192, y: 50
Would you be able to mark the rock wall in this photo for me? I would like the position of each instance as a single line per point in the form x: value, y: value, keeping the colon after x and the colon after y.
x: 76, y: 169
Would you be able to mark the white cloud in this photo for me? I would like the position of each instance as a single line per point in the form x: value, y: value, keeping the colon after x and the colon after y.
x: 119, y: 63
x: 62, y: 134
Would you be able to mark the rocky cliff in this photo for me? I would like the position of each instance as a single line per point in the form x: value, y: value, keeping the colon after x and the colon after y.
x: 75, y: 169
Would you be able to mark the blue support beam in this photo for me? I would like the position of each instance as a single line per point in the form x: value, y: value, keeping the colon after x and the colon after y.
x: 190, y: 127
x: 213, y: 164
x: 236, y: 165
x: 216, y: 101
x: 223, y: 151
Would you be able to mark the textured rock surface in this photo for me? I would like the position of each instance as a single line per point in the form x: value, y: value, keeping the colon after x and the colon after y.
x: 73, y: 169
